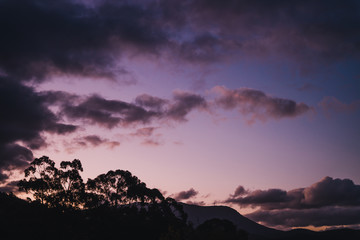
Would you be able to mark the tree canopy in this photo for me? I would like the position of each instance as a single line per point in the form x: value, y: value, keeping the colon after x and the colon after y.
x: 113, y: 203
x: 65, y: 188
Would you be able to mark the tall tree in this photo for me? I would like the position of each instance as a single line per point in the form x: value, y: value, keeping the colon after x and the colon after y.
x: 41, y: 180
x: 72, y: 191
x: 54, y: 187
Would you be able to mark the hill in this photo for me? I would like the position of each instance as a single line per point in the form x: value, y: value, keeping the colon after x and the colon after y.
x: 199, y: 214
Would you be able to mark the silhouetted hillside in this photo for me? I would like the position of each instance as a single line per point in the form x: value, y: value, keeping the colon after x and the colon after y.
x: 199, y: 214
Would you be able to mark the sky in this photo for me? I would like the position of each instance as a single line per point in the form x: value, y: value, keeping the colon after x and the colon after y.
x: 250, y: 104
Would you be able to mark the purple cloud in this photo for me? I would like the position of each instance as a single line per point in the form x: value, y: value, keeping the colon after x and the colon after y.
x: 331, y: 104
x: 184, y: 195
x: 327, y: 202
x: 91, y: 141
x: 327, y: 216
x: 144, y: 132
x: 326, y: 192
x: 258, y: 105
x: 24, y: 117
x: 183, y: 103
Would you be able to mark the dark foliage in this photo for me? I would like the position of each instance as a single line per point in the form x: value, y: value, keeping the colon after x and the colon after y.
x: 115, y: 205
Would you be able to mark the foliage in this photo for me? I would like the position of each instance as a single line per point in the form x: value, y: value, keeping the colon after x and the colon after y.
x: 112, y: 205
x: 54, y: 187
x: 66, y: 189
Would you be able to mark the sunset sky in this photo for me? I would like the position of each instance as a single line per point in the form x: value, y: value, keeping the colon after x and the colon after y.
x: 251, y: 104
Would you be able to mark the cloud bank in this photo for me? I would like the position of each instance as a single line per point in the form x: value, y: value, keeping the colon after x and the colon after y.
x: 87, y: 38
x: 327, y: 202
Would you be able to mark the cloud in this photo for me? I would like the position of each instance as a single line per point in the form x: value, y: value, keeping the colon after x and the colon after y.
x: 327, y: 202
x: 10, y: 187
x: 183, y: 103
x: 258, y: 105
x: 327, y: 216
x: 332, y: 192
x: 96, y: 110
x: 90, y: 141
x: 150, y: 142
x: 28, y: 114
x: 144, y: 132
x: 239, y: 191
x: 43, y: 38
x: 13, y: 156
x: 333, y: 105
x: 107, y: 113
x: 326, y: 192
x: 305, y: 31
x: 151, y: 102
x: 184, y: 195
x: 24, y: 117
x: 198, y: 203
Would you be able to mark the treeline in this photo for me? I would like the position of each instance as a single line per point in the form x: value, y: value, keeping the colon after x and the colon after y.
x: 65, y: 188
x: 114, y: 205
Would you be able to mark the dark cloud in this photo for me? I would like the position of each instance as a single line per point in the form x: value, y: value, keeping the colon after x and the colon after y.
x: 24, y: 117
x: 205, y: 48
x: 153, y: 103
x: 306, y: 31
x: 183, y: 103
x: 239, y: 191
x: 258, y: 105
x: 326, y: 192
x: 13, y: 156
x: 327, y: 202
x: 41, y: 38
x: 10, y: 187
x: 184, y: 195
x: 198, y: 203
x: 96, y: 110
x: 260, y: 198
x: 332, y: 192
x: 327, y: 216
x: 107, y: 113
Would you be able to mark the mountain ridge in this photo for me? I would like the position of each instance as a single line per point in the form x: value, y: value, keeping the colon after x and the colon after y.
x: 199, y: 214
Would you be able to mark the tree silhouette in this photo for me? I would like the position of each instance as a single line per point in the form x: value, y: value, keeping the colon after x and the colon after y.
x: 114, y: 202
x: 120, y: 187
x: 41, y: 180
x: 72, y: 191
x: 53, y: 187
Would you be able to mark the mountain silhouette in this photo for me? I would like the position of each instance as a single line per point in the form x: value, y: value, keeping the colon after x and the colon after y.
x: 199, y: 214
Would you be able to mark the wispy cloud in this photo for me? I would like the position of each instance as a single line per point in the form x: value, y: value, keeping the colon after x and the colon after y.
x: 331, y: 105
